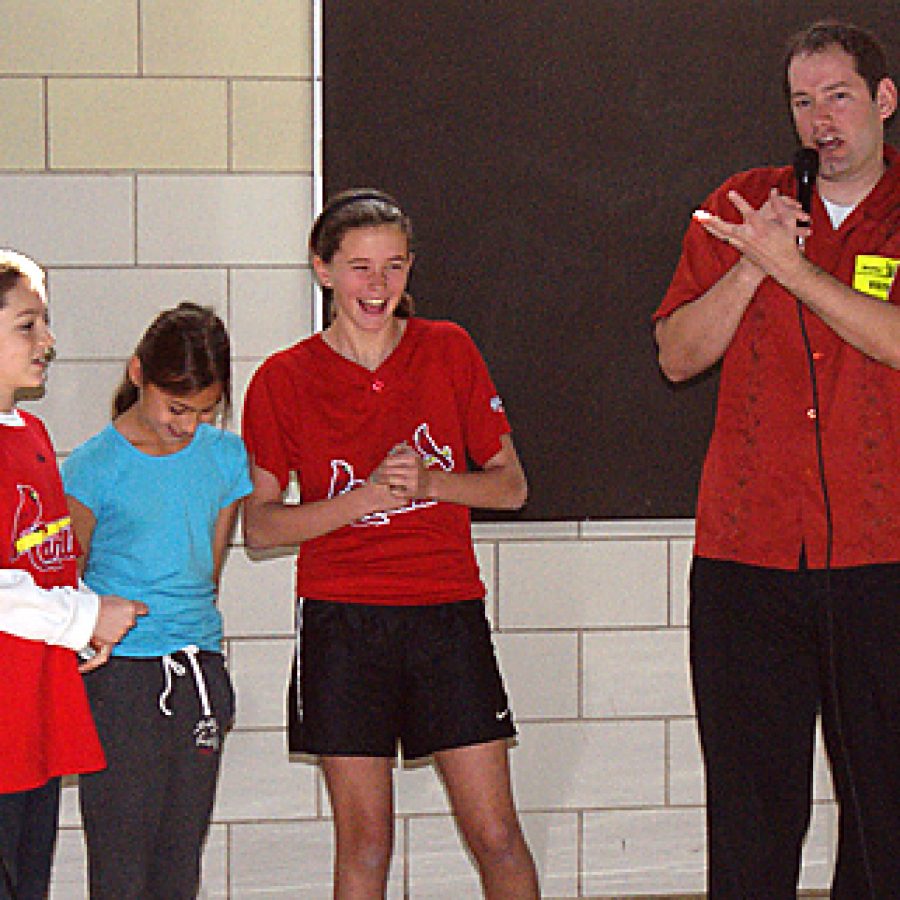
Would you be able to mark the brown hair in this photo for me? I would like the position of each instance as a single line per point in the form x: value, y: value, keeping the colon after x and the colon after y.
x: 185, y: 350
x: 868, y: 54
x: 14, y: 266
x: 357, y: 208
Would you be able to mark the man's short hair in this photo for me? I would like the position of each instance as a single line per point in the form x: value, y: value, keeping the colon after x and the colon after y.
x: 868, y: 54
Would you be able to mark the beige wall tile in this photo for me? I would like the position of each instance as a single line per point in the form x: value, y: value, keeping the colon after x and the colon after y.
x: 819, y: 848
x: 102, y: 313
x: 644, y: 852
x: 260, y: 670
x: 270, y: 309
x: 223, y: 219
x: 76, y: 37
x: 214, y: 875
x: 77, y: 402
x: 554, y: 840
x: 642, y: 673
x: 259, y: 782
x: 439, y: 866
x: 685, y: 764
x: 541, y: 672
x: 138, y: 123
x: 485, y: 557
x: 68, y: 219
x: 589, y: 764
x: 272, y: 130
x: 681, y: 552
x: 240, y: 37
x: 257, y: 595
x: 292, y: 859
x: 69, y: 866
x: 22, y: 101
x: 584, y: 584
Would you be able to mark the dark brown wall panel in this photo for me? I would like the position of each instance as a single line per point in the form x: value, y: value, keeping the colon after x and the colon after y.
x: 550, y: 155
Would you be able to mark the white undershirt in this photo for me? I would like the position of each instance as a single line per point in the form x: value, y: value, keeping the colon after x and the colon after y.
x: 837, y: 212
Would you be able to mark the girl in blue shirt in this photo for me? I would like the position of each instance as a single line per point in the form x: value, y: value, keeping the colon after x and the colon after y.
x: 153, y: 499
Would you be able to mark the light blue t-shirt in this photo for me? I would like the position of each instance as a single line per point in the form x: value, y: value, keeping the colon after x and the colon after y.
x: 153, y: 537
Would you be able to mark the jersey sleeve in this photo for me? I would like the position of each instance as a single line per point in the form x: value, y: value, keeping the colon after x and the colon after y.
x: 237, y: 471
x: 483, y: 415
x: 80, y: 473
x: 261, y: 428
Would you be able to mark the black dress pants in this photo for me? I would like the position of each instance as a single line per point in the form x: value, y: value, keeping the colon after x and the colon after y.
x: 770, y: 650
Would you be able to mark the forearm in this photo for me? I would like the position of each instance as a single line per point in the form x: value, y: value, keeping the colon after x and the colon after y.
x: 697, y: 334
x: 273, y: 523
x: 64, y: 616
x: 870, y: 325
x: 501, y: 487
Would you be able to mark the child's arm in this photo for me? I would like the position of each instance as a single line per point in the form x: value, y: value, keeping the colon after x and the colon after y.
x: 115, y: 615
x: 65, y: 616
x: 270, y: 522
x: 222, y: 536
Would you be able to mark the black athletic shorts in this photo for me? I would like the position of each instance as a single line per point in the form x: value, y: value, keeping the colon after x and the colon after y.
x: 367, y: 676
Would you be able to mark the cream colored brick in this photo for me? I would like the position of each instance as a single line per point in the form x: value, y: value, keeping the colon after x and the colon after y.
x: 681, y: 553
x: 819, y: 848
x: 260, y: 670
x: 102, y: 313
x: 589, y: 764
x: 257, y: 595
x: 69, y: 877
x: 270, y: 309
x: 235, y: 37
x: 484, y: 556
x: 81, y: 37
x: 541, y: 672
x: 132, y: 123
x: 586, y: 584
x: 660, y: 851
x: 22, y: 101
x: 259, y: 782
x: 292, y: 859
x: 214, y: 874
x: 642, y: 673
x: 254, y: 220
x: 439, y: 867
x: 77, y: 402
x: 272, y: 130
x: 69, y: 219
x: 685, y: 764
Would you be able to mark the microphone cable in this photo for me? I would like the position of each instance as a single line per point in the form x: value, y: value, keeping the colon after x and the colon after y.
x: 832, y: 682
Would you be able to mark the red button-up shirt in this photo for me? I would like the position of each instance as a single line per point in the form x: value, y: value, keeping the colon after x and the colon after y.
x: 760, y: 493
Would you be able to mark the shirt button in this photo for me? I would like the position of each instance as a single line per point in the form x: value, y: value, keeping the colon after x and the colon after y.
x: 378, y: 386
x: 811, y: 413
x: 818, y: 356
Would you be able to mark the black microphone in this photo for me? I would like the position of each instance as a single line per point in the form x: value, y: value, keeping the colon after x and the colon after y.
x: 806, y: 168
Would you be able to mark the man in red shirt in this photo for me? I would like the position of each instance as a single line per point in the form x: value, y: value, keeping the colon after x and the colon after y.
x: 795, y: 584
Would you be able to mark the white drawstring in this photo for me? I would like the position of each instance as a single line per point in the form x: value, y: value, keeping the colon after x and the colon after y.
x: 206, y: 731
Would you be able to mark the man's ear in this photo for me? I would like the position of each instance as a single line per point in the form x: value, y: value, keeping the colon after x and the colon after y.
x: 886, y: 98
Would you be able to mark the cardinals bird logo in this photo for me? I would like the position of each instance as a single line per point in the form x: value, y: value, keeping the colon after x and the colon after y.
x: 47, y: 545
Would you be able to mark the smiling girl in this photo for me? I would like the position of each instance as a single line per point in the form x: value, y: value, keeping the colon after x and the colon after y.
x: 378, y: 415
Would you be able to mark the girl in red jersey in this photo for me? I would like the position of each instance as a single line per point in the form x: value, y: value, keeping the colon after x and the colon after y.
x: 45, y: 613
x: 377, y: 416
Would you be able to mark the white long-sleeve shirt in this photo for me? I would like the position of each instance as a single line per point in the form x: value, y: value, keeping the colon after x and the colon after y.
x: 65, y: 616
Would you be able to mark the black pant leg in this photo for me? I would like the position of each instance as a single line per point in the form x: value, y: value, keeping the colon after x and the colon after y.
x: 755, y: 681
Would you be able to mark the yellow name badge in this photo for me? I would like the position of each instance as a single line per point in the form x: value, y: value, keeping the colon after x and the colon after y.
x: 874, y: 275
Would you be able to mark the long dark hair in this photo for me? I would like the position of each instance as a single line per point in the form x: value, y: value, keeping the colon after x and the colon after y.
x: 185, y: 350
x: 358, y: 208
